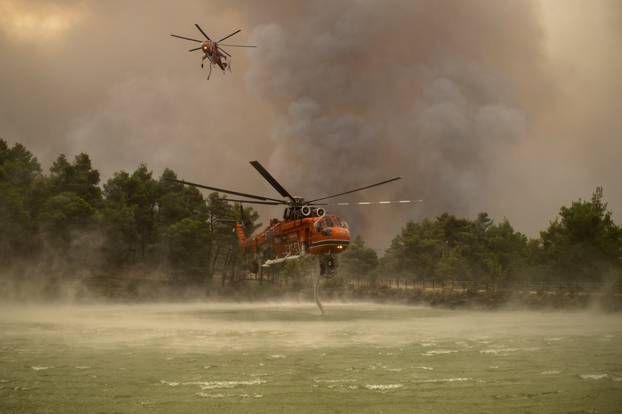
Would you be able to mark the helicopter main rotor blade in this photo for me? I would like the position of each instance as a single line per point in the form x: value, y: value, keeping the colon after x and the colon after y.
x: 187, y: 38
x: 368, y: 203
x: 196, y: 48
x: 201, y: 30
x: 273, y: 182
x: 238, y: 45
x: 223, y: 51
x: 228, y: 36
x: 220, y: 190
x: 272, y: 203
x: 356, y: 189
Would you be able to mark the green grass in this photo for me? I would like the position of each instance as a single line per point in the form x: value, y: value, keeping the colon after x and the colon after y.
x: 285, y: 358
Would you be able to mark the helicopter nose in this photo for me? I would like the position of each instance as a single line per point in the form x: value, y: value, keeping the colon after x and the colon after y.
x: 340, y: 233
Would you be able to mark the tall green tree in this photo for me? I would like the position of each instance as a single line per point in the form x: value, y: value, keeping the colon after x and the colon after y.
x: 506, y: 255
x: 226, y: 250
x: 183, y: 220
x: 69, y: 211
x: 583, y: 243
x: 358, y: 261
x: 415, y: 251
x: 21, y: 195
x: 177, y: 201
x: 64, y: 214
x: 458, y: 248
x: 130, y: 216
x: 78, y: 177
x: 189, y: 249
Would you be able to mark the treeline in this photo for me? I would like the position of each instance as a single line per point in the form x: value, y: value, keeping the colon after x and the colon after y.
x: 63, y: 225
x: 581, y: 245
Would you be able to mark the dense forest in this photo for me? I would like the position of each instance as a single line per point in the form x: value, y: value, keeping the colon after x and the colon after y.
x: 581, y: 245
x: 65, y: 228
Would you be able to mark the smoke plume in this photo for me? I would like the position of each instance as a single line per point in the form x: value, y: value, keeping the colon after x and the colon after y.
x: 509, y: 107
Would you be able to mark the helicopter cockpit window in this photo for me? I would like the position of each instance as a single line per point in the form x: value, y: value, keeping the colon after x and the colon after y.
x: 342, y: 223
x: 324, y: 223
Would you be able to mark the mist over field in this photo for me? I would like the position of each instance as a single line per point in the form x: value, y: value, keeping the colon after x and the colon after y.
x: 282, y: 357
x: 295, y: 325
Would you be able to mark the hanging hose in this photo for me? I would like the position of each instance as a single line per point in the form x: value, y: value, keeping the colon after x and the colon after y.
x: 316, y: 292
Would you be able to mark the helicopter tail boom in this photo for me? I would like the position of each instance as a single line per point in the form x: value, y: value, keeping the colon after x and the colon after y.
x: 239, y: 231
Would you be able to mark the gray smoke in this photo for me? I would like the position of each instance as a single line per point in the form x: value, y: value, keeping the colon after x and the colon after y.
x: 368, y: 90
x: 509, y: 107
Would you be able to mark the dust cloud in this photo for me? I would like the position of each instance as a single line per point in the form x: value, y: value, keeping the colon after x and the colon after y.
x: 283, y: 325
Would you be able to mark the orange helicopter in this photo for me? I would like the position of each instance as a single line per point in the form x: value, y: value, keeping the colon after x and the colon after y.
x: 213, y: 51
x: 305, y: 227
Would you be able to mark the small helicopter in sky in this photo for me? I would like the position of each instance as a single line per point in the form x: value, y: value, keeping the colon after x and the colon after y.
x: 305, y: 229
x: 212, y: 50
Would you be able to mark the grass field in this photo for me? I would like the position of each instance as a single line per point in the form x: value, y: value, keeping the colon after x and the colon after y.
x: 272, y: 358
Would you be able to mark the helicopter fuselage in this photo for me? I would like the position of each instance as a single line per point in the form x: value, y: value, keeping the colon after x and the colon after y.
x: 211, y: 52
x: 305, y: 228
x: 209, y: 47
x: 308, y: 235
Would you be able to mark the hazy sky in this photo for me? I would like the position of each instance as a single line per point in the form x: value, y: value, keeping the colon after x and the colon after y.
x: 510, y: 107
